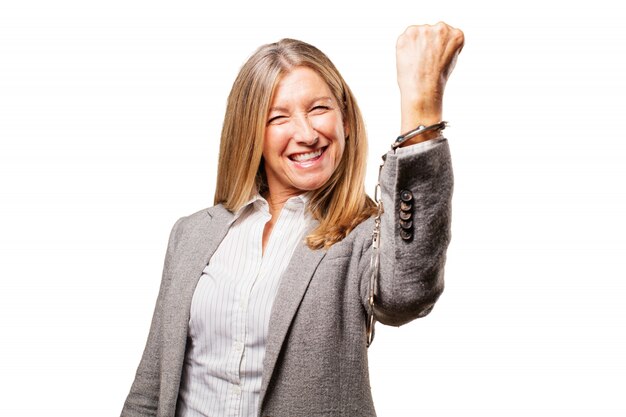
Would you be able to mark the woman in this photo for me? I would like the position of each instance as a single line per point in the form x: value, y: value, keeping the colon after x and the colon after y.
x: 264, y: 298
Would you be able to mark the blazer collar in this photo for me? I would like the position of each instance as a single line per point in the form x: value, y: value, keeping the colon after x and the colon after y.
x: 220, y: 213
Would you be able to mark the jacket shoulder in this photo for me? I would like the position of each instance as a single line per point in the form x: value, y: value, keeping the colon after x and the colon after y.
x: 218, y: 212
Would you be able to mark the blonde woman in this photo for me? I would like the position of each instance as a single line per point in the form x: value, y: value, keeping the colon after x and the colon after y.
x: 265, y: 297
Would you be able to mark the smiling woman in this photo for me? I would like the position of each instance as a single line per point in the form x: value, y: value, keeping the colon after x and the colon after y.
x: 304, y: 139
x: 265, y: 297
x: 279, y: 85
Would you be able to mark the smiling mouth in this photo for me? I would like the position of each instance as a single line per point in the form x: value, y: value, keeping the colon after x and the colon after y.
x: 307, y: 156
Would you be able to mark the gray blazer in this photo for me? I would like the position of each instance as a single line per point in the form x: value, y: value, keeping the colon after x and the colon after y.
x: 316, y: 355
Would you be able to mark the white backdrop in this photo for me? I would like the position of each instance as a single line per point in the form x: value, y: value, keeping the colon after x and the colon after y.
x: 110, y: 114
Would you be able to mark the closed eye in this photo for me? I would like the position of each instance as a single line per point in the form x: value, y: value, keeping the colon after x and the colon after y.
x: 319, y: 109
x: 276, y: 119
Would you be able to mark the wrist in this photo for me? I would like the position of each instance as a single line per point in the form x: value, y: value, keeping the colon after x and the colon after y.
x: 423, y: 111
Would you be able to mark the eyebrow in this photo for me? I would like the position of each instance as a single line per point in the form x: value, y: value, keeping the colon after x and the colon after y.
x: 315, y: 100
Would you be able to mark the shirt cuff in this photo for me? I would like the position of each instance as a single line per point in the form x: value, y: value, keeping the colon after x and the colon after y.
x: 419, y: 147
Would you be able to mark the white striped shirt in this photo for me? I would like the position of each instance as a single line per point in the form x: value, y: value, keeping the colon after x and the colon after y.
x: 230, y: 312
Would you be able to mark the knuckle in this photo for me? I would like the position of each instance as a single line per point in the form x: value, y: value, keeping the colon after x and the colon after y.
x: 412, y: 31
x: 440, y: 28
x: 459, y: 36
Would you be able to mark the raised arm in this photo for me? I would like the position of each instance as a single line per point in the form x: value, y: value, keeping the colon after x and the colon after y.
x: 425, y: 58
x: 417, y: 181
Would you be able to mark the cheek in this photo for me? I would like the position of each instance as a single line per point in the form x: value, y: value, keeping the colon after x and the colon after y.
x: 274, y: 142
x: 331, y: 126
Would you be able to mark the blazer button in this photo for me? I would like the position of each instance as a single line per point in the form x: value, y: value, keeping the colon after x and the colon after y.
x: 406, y: 235
x: 405, y: 215
x: 406, y: 225
x: 404, y: 206
x: 406, y: 196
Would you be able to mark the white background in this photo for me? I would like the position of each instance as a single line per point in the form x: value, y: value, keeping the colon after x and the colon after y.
x: 110, y: 115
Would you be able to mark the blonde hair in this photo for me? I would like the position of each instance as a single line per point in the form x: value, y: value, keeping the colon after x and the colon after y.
x: 340, y: 204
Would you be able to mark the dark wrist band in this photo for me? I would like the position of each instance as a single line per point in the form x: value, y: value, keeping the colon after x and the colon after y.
x: 417, y: 131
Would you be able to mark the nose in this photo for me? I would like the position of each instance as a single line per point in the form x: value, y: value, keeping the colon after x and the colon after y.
x: 304, y: 132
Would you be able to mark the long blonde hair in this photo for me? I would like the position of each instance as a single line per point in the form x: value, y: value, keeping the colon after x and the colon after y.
x: 340, y: 204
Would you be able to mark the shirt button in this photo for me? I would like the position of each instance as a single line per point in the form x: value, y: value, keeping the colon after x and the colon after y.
x: 238, y: 347
x: 237, y: 389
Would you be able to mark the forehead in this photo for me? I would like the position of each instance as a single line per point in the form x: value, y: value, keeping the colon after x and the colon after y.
x: 301, y: 83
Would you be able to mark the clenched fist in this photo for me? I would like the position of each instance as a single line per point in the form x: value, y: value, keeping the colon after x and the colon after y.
x: 425, y: 58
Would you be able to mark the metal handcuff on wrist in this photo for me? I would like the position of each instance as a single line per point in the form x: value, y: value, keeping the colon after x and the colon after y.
x: 375, y: 260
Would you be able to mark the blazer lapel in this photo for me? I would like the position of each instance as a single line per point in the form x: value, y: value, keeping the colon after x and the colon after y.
x: 291, y: 290
x: 200, y: 244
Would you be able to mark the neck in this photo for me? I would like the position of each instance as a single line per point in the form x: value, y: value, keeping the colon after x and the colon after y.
x: 276, y: 204
x: 276, y: 201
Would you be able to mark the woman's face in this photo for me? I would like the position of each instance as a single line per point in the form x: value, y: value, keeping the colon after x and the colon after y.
x: 305, y: 135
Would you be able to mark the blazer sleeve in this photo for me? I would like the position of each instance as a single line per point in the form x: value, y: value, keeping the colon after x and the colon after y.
x: 416, y: 188
x: 143, y: 398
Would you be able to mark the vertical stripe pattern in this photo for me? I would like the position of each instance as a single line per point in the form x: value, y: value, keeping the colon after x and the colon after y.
x: 230, y: 312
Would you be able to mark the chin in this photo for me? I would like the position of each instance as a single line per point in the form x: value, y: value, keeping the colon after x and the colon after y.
x: 312, y: 185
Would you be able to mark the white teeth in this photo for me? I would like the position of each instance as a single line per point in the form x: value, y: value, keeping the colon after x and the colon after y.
x: 306, y: 156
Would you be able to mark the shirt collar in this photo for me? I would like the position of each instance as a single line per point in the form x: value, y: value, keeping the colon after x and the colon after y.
x: 292, y: 203
x: 247, y: 204
x: 298, y: 201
